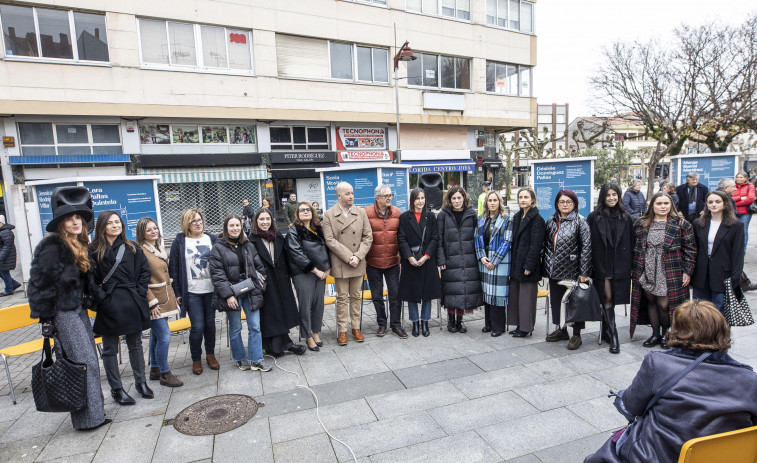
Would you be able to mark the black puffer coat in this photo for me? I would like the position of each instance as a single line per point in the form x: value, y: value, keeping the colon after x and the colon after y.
x: 7, y: 248
x: 567, y: 247
x: 527, y: 245
x: 306, y: 250
x: 461, y: 281
x: 225, y: 271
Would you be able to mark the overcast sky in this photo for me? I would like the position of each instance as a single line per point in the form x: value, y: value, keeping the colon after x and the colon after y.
x: 572, y: 32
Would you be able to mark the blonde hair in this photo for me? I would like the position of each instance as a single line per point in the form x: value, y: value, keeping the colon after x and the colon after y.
x: 187, y: 217
x: 502, y: 210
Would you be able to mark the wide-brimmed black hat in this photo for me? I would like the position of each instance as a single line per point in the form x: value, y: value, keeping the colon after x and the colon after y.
x: 67, y: 200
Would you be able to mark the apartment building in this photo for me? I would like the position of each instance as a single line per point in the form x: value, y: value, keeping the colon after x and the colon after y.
x: 245, y: 99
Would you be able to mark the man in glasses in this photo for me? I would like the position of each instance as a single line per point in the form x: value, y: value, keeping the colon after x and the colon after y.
x: 348, y: 236
x: 383, y: 260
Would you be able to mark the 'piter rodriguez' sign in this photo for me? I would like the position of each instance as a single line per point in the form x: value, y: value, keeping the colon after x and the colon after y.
x: 553, y: 175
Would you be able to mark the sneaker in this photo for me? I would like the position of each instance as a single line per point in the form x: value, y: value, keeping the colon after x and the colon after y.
x: 261, y: 365
x: 243, y: 365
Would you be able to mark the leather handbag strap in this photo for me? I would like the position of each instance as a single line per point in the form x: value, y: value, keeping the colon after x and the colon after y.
x: 119, y: 256
x: 675, y: 380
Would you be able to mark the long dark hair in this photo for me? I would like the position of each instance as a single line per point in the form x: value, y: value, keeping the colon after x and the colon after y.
x: 413, y: 196
x: 729, y: 216
x: 648, y: 217
x: 225, y: 233
x: 142, y: 227
x: 602, y: 207
x: 100, y: 243
x: 261, y: 211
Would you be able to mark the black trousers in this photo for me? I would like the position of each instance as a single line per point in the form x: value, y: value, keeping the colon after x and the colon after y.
x: 556, y: 293
x: 495, y: 316
x: 376, y: 277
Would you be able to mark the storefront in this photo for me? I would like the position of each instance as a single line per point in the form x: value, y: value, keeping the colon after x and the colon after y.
x: 294, y: 172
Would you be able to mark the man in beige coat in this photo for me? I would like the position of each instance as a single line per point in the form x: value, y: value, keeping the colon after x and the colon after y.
x: 349, y: 237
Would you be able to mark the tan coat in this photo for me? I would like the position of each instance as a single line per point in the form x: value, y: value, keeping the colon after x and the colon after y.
x: 159, y: 291
x: 347, y: 237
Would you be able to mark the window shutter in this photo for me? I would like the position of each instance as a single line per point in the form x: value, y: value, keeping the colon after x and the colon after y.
x: 302, y: 57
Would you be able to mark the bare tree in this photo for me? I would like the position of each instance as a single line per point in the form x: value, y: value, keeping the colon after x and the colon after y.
x: 508, y: 155
x: 537, y: 143
x: 589, y: 136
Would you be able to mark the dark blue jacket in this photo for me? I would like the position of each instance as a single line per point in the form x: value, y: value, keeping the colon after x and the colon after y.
x: 177, y: 267
x: 636, y: 204
x: 683, y: 198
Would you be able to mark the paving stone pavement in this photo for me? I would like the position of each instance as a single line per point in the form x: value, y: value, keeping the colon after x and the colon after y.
x: 446, y: 398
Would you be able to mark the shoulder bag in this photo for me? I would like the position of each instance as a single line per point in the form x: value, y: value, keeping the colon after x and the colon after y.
x: 582, y: 303
x: 621, y: 436
x: 119, y: 257
x: 416, y: 249
x: 58, y: 385
x: 735, y: 307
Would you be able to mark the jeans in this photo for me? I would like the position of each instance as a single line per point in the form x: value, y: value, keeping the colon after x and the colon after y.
x: 707, y: 294
x: 203, y: 320
x: 376, y: 278
x: 160, y: 338
x: 254, y: 338
x: 10, y: 283
x: 412, y: 311
x: 743, y: 218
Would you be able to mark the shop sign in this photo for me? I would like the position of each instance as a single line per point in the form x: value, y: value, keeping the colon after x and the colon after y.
x: 304, y: 157
x: 349, y: 156
x: 353, y: 138
x: 172, y: 196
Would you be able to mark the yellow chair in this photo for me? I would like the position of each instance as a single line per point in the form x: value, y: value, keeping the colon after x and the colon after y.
x: 328, y: 300
x: 729, y: 447
x: 11, y: 318
x: 544, y: 293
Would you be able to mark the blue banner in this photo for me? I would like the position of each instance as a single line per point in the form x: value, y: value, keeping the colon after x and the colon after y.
x: 396, y: 178
x: 422, y: 167
x: 710, y: 169
x: 363, y: 181
x: 563, y: 174
x: 132, y: 199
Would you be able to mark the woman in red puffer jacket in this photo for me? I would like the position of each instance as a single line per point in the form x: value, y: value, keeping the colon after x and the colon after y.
x: 744, y: 196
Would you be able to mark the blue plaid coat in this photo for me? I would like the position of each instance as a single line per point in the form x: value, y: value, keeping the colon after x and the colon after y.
x: 495, y: 283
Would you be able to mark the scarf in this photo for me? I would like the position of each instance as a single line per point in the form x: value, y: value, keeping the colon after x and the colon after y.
x: 268, y: 235
x: 155, y: 251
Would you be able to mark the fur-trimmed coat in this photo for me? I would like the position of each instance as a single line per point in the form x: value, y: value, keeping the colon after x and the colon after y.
x: 55, y: 282
x: 159, y: 291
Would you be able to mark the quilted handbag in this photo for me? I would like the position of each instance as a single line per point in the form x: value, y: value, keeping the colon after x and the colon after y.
x: 58, y: 385
x: 735, y: 307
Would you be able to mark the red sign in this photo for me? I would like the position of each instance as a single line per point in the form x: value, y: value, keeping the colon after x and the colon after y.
x: 238, y: 38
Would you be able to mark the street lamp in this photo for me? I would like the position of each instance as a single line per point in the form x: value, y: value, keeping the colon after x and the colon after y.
x: 403, y: 54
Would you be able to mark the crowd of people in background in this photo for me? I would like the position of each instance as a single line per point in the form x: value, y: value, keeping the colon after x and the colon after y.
x: 646, y: 253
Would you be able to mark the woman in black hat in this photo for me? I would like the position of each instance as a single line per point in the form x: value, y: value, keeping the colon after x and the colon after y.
x: 124, y: 309
x: 60, y: 277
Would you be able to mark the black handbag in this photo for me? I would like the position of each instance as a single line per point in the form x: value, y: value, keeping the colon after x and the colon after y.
x: 735, y: 307
x: 243, y: 287
x: 582, y: 304
x: 752, y: 207
x: 58, y: 385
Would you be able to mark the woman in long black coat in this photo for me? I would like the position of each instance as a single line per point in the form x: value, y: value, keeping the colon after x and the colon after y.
x: 279, y: 312
x: 418, y: 240
x: 525, y: 272
x: 124, y: 309
x: 612, y: 241
x: 461, y: 280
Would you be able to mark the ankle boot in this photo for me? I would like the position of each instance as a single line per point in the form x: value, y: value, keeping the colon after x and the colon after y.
x: 169, y: 380
x: 424, y: 329
x: 121, y: 397
x: 144, y: 390
x: 416, y: 329
x: 154, y: 373
x: 460, y: 325
x: 612, y: 330
x: 451, y: 325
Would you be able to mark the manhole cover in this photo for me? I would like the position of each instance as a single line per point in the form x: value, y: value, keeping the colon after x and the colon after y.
x: 216, y: 415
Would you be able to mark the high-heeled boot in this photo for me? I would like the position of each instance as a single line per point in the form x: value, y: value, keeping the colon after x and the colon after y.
x: 609, y: 315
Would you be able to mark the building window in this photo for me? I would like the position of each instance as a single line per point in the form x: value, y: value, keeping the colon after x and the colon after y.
x: 508, y: 79
x: 47, y: 139
x: 186, y: 134
x: 299, y: 138
x: 439, y: 71
x: 512, y: 14
x: 372, y: 64
x: 459, y: 9
x: 47, y: 33
x: 194, y: 46
x: 375, y: 2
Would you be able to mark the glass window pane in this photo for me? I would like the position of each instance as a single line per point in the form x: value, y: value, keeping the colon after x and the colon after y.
x: 341, y: 60
x: 298, y: 134
x: 515, y: 14
x: 463, y: 9
x: 243, y: 135
x: 501, y: 79
x: 73, y: 150
x: 214, y: 47
x: 381, y: 65
x: 111, y: 149
x: 430, y: 68
x: 364, y: 64
x: 526, y: 17
x: 525, y: 81
x: 214, y: 134
x: 448, y: 72
x: 280, y: 135
x: 239, y: 49
x: 38, y: 150
x: 462, y: 73
x: 511, y: 73
x: 18, y: 30
x: 491, y: 76
x: 318, y: 147
x: 431, y: 6
x: 502, y: 13
x: 35, y: 133
x: 185, y: 134
x: 317, y: 135
x: 415, y: 71
x: 105, y: 134
x: 448, y: 8
x: 71, y: 133
x: 91, y: 39
x: 152, y: 34
x: 182, y: 42
x: 413, y: 5
x: 54, y: 33
x: 491, y: 11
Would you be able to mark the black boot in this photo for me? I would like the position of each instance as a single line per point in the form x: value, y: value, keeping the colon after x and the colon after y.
x: 144, y: 390
x: 121, y: 397
x: 416, y: 329
x: 487, y: 319
x: 451, y: 326
x: 460, y: 325
x: 424, y: 329
x: 612, y: 330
